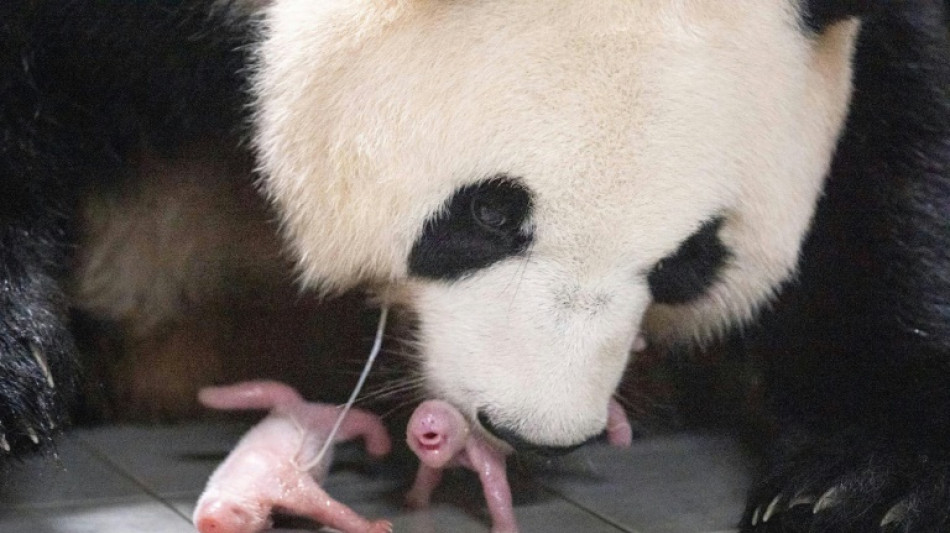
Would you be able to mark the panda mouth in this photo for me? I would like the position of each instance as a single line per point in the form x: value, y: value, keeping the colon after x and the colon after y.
x: 522, y: 446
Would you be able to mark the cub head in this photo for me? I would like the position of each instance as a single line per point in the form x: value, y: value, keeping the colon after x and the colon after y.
x: 545, y: 181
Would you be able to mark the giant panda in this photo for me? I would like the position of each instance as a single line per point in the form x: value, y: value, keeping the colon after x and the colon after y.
x: 543, y: 185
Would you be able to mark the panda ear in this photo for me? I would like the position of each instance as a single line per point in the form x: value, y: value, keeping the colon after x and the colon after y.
x: 819, y: 14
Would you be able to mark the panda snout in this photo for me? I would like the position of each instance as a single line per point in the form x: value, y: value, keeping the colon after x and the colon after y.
x: 522, y: 445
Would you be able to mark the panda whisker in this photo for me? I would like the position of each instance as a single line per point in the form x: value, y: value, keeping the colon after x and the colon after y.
x: 642, y: 408
x: 409, y: 346
x: 393, y: 389
x: 404, y: 405
x: 624, y: 400
x: 399, y: 351
x: 517, y: 278
x: 390, y: 390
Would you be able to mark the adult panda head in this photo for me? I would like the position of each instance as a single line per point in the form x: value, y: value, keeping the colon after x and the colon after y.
x: 542, y: 181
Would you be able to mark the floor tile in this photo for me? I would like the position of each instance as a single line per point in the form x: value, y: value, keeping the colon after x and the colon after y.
x: 141, y: 516
x: 77, y: 476
x: 21, y: 521
x: 166, y: 459
x: 458, y: 505
x: 682, y: 484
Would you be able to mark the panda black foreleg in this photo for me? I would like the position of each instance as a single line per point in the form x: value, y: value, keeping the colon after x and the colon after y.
x: 859, y: 346
x: 37, y: 359
x: 851, y: 482
x: 862, y: 439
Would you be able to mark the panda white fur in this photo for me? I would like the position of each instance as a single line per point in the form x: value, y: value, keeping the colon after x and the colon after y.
x: 421, y: 113
x: 541, y: 183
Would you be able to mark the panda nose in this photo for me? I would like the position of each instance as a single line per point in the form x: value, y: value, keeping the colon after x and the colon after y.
x: 522, y: 445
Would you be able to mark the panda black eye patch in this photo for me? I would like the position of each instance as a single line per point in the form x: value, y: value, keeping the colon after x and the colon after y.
x: 480, y: 224
x: 688, y: 272
x: 818, y: 15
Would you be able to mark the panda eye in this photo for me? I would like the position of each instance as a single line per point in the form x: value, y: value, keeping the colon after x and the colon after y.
x: 497, y: 210
x: 489, y: 217
x: 688, y: 272
x: 480, y: 224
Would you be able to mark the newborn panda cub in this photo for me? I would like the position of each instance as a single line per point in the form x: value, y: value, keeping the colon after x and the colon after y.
x: 441, y: 437
x: 271, y: 468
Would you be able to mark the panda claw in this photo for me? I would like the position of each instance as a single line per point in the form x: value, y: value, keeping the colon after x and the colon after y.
x: 772, y: 507
x: 4, y: 444
x: 801, y: 499
x: 44, y: 366
x: 827, y: 500
x: 894, y: 515
x: 30, y: 432
x: 755, y: 516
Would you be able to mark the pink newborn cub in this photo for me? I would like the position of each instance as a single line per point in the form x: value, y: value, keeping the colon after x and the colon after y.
x: 441, y: 437
x: 269, y: 468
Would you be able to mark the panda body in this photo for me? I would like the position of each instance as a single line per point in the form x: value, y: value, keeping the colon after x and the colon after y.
x: 541, y: 183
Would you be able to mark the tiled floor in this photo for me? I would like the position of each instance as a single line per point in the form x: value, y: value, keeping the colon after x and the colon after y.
x: 137, y: 479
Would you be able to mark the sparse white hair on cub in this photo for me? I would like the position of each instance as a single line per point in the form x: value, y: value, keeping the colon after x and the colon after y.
x: 630, y: 124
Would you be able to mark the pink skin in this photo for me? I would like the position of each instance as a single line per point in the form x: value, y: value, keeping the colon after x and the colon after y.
x: 441, y: 437
x: 619, y: 431
x: 269, y: 468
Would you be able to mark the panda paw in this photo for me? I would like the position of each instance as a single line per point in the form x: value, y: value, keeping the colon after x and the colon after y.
x: 38, y: 372
x: 848, y: 485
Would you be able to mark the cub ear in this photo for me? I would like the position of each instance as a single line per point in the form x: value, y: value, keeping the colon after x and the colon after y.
x: 819, y: 14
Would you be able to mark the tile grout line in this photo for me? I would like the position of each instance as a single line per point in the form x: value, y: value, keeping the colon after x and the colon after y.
x: 588, y: 510
x: 99, y: 454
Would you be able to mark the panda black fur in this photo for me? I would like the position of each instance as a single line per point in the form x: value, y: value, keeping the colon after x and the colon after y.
x: 859, y: 344
x: 84, y: 87
x: 438, y: 152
